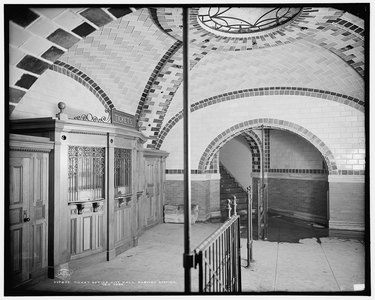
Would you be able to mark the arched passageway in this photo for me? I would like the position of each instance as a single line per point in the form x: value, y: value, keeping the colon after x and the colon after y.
x: 295, y: 174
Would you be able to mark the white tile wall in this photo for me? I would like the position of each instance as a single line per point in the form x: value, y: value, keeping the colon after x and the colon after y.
x: 341, y: 137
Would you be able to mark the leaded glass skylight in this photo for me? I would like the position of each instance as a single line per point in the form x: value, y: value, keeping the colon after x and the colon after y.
x: 239, y: 20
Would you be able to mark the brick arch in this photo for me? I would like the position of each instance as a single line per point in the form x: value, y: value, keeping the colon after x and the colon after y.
x: 255, y: 144
x: 152, y: 84
x: 86, y: 81
x: 262, y: 91
x: 242, y: 127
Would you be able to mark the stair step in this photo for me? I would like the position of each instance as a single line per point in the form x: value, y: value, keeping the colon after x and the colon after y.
x: 226, y: 178
x: 230, y: 195
x: 232, y: 190
x: 239, y: 206
x: 228, y: 183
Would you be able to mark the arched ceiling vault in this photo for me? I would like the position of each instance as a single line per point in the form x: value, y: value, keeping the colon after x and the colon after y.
x: 134, y: 58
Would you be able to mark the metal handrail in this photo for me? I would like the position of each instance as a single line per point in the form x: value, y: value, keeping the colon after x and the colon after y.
x: 218, y: 258
x: 204, y: 245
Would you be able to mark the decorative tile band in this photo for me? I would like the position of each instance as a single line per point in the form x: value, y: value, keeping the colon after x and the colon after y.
x: 242, y: 127
x: 267, y: 151
x: 289, y: 171
x: 161, y: 93
x: 263, y: 91
x: 86, y: 81
x: 349, y: 26
x: 151, y: 81
x: 299, y: 171
x: 193, y: 171
x: 254, y: 143
x: 337, y: 32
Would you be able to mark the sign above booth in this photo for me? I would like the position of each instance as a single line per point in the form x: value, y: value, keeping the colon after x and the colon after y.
x: 123, y: 119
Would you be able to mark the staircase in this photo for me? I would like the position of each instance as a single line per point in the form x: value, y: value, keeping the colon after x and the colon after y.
x: 228, y: 188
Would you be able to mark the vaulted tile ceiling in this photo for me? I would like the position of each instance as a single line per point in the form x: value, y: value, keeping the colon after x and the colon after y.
x: 131, y: 59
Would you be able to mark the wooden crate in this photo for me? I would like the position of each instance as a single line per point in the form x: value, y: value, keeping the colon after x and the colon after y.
x: 174, y: 213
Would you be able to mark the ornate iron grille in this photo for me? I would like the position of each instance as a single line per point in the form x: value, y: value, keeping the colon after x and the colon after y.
x: 86, y: 173
x: 122, y: 171
x: 245, y: 20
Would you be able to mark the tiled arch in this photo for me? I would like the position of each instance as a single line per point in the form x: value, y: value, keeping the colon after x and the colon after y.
x: 342, y: 35
x: 254, y: 143
x: 153, y: 84
x: 242, y: 127
x: 262, y: 91
x: 86, y: 81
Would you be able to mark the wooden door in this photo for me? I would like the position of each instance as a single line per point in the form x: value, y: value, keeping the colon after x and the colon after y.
x: 19, y: 219
x: 152, y: 207
x: 39, y: 211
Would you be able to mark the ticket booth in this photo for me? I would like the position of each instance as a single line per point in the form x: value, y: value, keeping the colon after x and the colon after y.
x: 103, y: 189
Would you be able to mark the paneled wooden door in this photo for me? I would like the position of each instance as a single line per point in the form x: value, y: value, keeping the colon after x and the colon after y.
x: 152, y: 209
x: 19, y: 219
x: 28, y: 208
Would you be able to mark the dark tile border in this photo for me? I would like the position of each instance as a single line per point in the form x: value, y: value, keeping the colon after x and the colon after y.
x: 151, y: 81
x: 86, y: 81
x: 254, y: 144
x: 193, y: 171
x: 263, y: 91
x: 299, y: 171
x: 239, y: 128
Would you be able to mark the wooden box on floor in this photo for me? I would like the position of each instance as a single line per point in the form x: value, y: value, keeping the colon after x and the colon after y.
x: 174, y: 213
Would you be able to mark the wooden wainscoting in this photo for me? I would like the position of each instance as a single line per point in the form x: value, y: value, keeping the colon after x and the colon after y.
x: 86, y: 228
x: 124, y: 223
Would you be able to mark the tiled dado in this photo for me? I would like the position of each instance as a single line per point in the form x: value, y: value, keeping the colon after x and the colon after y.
x: 289, y: 171
x: 263, y: 91
x: 316, y: 171
x: 193, y: 171
x: 86, y: 81
x: 242, y: 127
x: 298, y: 171
x: 43, y: 35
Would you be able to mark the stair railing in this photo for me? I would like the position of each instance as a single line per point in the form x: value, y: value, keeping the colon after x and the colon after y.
x: 218, y: 258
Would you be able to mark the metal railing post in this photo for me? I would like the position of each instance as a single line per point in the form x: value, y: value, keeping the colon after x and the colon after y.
x: 234, y: 205
x: 200, y: 271
x: 249, y: 226
x: 187, y: 257
x: 229, y: 208
x: 239, y: 279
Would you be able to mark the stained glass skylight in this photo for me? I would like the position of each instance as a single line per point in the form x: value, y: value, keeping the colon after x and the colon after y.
x: 245, y: 19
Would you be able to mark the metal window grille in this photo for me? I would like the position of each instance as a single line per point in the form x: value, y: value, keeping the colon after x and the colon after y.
x: 86, y: 173
x: 122, y: 171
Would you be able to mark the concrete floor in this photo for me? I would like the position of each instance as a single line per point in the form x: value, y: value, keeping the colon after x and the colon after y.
x: 318, y: 264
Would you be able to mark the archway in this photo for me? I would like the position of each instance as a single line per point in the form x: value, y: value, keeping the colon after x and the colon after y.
x: 297, y: 187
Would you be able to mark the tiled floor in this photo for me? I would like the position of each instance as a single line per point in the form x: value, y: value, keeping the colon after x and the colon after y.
x: 322, y: 264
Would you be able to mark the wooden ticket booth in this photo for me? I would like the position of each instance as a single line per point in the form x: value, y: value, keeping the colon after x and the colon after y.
x: 104, y: 188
